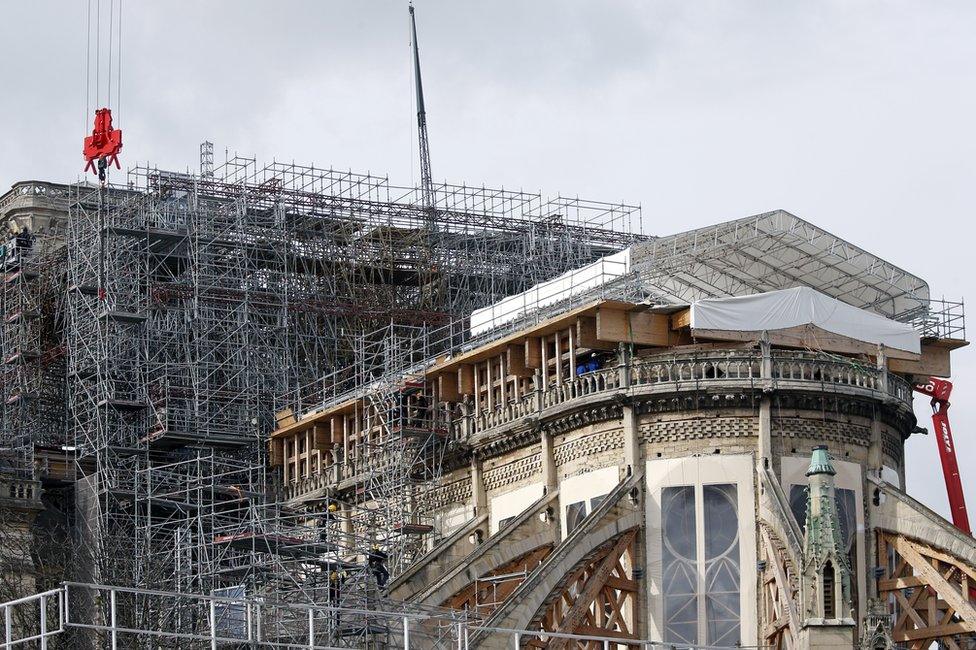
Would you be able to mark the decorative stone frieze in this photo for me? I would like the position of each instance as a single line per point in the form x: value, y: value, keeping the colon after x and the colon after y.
x: 514, y: 472
x: 587, y: 446
x: 690, y: 428
x: 458, y: 491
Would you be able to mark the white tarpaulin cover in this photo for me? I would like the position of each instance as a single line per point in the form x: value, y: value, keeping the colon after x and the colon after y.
x: 569, y: 284
x: 786, y: 308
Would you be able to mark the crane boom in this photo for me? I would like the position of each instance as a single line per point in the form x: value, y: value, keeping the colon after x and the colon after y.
x: 940, y: 390
x: 426, y: 179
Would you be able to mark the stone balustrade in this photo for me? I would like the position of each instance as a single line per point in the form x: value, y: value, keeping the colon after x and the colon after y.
x: 655, y: 375
x: 20, y: 492
x: 704, y: 371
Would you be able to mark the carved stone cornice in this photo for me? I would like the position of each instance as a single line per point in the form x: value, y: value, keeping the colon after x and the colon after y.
x: 611, y: 410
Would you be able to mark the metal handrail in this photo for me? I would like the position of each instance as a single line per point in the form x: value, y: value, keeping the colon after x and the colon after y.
x: 409, y: 631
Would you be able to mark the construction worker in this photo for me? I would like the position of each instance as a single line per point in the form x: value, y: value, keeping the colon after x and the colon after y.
x: 593, y: 363
x: 25, y: 239
x: 336, y: 581
x: 329, y: 515
x: 580, y: 367
x: 421, y: 404
x: 398, y: 412
x: 376, y: 560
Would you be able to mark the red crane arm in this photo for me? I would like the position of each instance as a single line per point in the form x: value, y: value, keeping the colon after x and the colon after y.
x: 939, y: 390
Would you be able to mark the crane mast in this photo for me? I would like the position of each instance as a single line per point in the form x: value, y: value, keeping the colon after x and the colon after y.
x: 426, y: 181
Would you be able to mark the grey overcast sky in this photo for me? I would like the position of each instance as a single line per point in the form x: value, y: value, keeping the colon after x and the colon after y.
x: 858, y: 116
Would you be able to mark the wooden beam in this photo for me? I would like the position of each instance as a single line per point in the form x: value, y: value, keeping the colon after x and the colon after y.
x: 336, y: 423
x: 806, y: 337
x: 931, y: 633
x: 650, y: 329
x: 276, y: 451
x: 893, y: 584
x: 681, y: 319
x: 948, y: 559
x: 934, y: 361
x: 782, y: 583
x: 308, y: 420
x: 533, y: 352
x: 517, y: 363
x: 958, y: 601
x: 560, y: 322
x: 642, y: 328
x: 285, y: 417
x: 558, y: 358
x: 589, y: 591
x: 623, y: 584
x: 612, y: 325
x: 571, y: 348
x: 322, y: 436
x: 465, y: 379
x: 586, y: 335
x: 447, y: 387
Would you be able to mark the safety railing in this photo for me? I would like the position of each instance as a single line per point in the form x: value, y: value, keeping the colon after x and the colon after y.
x: 940, y: 319
x: 82, y: 615
x: 31, y: 621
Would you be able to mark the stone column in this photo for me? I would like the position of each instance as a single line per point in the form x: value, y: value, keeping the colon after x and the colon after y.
x: 632, y: 447
x: 875, y: 448
x: 765, y: 403
x: 623, y: 365
x: 548, y: 459
x: 479, y: 495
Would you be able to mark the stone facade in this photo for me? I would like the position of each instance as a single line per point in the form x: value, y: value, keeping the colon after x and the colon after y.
x: 722, y: 417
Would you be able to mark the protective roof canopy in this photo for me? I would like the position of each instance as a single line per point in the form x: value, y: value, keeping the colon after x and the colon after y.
x: 770, y: 251
x: 777, y: 310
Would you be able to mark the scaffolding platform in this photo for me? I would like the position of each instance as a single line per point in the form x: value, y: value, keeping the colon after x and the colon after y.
x: 121, y: 316
x: 416, y: 431
x: 362, y: 630
x: 121, y: 404
x: 413, y: 529
x: 277, y: 544
x: 164, y: 439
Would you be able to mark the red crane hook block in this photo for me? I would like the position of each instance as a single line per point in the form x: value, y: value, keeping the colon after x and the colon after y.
x: 103, y: 144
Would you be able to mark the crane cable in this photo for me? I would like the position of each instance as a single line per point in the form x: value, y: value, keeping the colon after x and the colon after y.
x: 110, y: 73
x: 113, y: 56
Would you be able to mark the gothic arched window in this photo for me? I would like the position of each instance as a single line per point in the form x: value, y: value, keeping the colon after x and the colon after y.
x: 701, y: 565
x: 829, y: 597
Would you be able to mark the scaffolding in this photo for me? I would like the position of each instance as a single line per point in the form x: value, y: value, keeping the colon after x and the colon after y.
x: 31, y: 338
x: 189, y: 310
x: 200, y: 304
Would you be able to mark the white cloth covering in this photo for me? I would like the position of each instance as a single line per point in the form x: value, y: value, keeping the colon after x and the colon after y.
x: 569, y: 284
x: 798, y: 306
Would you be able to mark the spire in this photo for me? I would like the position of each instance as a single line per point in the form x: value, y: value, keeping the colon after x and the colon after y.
x: 826, y: 579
